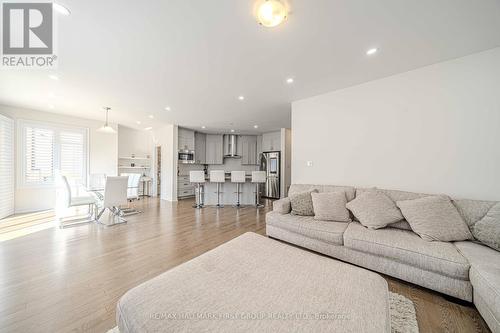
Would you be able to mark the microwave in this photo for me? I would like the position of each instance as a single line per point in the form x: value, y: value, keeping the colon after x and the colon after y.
x: 186, y: 156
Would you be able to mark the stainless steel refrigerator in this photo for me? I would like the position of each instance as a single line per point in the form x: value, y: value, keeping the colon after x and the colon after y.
x: 270, y: 163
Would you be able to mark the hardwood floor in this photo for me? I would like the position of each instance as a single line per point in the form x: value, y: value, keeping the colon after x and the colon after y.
x: 69, y: 280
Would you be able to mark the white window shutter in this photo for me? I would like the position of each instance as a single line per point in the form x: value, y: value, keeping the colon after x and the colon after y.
x: 6, y: 166
x: 39, y: 160
x: 73, y: 156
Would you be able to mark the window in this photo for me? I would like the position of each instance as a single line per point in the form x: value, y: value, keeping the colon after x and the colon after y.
x: 6, y: 166
x: 49, y: 150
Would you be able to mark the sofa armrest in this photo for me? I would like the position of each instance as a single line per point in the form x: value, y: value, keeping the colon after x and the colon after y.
x: 282, y: 206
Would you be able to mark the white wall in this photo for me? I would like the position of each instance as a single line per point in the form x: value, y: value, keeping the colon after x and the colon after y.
x: 103, y: 154
x: 434, y: 129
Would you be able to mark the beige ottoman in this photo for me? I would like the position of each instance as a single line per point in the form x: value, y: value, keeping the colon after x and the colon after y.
x: 256, y: 284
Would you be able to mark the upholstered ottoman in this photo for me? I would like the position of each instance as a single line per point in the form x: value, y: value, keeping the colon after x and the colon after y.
x: 256, y: 284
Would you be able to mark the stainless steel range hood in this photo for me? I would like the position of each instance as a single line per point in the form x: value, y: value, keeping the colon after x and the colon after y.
x: 231, y: 146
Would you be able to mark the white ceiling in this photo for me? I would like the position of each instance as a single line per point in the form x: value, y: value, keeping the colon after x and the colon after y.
x: 198, y: 56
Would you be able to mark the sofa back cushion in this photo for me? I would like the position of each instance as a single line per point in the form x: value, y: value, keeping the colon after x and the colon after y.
x: 350, y: 191
x: 435, y: 218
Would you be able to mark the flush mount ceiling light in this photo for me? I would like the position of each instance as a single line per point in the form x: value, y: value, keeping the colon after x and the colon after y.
x: 61, y: 9
x: 256, y: 126
x: 271, y: 13
x: 203, y: 127
x: 241, y: 98
x: 289, y: 80
x: 106, y: 128
x: 372, y: 51
x: 167, y: 108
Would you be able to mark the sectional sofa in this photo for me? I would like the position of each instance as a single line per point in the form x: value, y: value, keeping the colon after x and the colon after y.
x: 466, y: 270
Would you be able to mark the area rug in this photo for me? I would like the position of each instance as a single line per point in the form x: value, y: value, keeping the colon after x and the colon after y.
x: 403, y: 316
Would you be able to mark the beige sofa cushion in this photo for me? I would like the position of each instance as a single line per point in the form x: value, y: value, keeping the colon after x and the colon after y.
x: 374, y: 209
x: 407, y: 247
x: 434, y: 218
x: 487, y: 230
x: 485, y: 278
x: 326, y: 231
x: 282, y: 206
x: 302, y: 203
x: 330, y: 206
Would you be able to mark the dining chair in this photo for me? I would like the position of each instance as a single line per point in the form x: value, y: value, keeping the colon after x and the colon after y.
x: 66, y: 199
x: 134, y: 181
x: 115, y: 195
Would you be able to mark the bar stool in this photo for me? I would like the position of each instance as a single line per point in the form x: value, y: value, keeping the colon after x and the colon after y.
x: 258, y: 177
x: 218, y: 177
x: 198, y: 178
x: 238, y: 177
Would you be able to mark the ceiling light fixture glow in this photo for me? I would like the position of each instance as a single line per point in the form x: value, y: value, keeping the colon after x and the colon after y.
x: 61, y: 9
x: 241, y: 98
x: 51, y: 106
x: 203, y: 127
x: 54, y: 77
x: 372, y: 51
x: 138, y: 122
x: 255, y: 126
x: 151, y: 116
x: 232, y: 131
x: 271, y: 13
x: 148, y: 128
x: 167, y: 108
x: 106, y: 128
x: 289, y: 80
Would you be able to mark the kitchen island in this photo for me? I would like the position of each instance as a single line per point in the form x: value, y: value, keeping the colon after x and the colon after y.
x: 228, y: 189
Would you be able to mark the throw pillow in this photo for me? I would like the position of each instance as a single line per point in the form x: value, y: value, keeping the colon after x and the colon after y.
x: 330, y: 206
x: 302, y: 203
x: 435, y: 218
x: 374, y: 209
x: 487, y: 230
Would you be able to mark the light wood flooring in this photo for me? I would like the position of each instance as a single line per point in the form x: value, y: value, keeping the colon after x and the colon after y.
x: 69, y: 280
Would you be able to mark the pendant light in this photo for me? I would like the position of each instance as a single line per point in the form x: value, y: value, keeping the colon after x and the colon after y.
x: 106, y: 128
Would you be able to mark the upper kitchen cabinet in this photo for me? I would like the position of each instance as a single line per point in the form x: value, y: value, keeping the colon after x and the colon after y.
x: 248, y: 149
x: 271, y: 141
x: 200, y: 148
x: 214, y: 150
x: 186, y: 139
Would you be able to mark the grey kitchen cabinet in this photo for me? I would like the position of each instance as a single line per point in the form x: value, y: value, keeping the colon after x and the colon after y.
x: 185, y: 139
x: 200, y: 148
x: 248, y: 149
x: 271, y: 141
x: 214, y: 151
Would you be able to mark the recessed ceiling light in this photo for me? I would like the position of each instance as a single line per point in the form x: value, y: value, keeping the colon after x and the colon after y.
x: 138, y: 122
x: 232, y: 131
x: 167, y: 108
x: 53, y: 77
x: 61, y: 9
x: 289, y: 80
x: 203, y: 127
x: 51, y: 106
x: 371, y: 51
x: 271, y: 13
x: 151, y: 116
x: 148, y: 128
x: 241, y: 98
x: 255, y: 126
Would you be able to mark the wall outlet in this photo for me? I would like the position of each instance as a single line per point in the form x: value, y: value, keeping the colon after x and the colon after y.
x: 309, y: 163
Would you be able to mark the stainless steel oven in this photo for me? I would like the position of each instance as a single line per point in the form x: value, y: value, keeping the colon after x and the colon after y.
x: 186, y: 156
